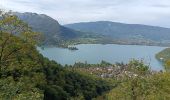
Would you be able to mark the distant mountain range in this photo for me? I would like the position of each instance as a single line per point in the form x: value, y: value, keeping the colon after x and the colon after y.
x: 122, y: 31
x: 95, y: 32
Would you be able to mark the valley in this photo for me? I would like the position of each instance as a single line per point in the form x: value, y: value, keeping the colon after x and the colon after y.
x: 101, y: 32
x: 43, y: 60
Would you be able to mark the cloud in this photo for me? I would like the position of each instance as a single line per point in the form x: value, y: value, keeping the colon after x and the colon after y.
x: 150, y: 12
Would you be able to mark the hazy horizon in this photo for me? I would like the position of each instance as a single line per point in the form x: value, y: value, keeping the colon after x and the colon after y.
x: 147, y: 12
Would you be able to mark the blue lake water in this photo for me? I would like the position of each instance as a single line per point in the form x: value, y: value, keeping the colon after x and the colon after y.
x: 95, y: 53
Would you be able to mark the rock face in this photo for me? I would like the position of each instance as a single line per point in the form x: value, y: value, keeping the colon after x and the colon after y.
x: 51, y: 29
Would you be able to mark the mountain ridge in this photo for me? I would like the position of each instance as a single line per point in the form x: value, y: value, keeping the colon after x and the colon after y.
x: 123, y: 31
x: 114, y: 22
x: 53, y: 32
x: 100, y: 32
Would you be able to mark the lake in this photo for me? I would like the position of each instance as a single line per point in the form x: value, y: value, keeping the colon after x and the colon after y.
x: 95, y: 53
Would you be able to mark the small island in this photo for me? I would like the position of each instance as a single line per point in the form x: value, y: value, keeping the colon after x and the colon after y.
x: 72, y: 48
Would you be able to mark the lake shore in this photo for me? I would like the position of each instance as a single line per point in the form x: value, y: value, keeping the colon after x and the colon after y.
x: 94, y: 53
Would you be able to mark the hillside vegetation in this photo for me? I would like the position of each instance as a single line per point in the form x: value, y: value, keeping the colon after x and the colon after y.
x: 164, y: 57
x: 133, y: 81
x: 126, y: 33
x: 27, y: 75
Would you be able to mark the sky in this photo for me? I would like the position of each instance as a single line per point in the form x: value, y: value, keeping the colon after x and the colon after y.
x: 148, y: 12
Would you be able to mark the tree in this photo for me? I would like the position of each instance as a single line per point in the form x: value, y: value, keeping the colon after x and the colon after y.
x: 10, y: 45
x: 19, y: 61
x: 145, y: 85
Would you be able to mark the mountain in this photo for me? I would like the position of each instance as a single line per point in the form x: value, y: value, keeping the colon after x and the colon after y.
x: 94, y: 32
x: 122, y: 31
x: 53, y: 32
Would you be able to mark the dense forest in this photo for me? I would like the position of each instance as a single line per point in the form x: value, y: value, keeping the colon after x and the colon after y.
x: 26, y: 75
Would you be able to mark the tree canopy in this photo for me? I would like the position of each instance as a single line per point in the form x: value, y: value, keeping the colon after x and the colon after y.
x: 26, y: 75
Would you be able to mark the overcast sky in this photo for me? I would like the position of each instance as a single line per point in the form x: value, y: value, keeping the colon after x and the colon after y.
x: 150, y: 12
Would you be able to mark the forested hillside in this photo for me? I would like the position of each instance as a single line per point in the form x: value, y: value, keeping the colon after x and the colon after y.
x: 27, y: 75
x: 132, y: 33
x: 164, y: 57
x: 57, y: 35
x: 53, y: 32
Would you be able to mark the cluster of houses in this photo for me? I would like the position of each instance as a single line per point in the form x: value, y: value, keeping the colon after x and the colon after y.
x: 115, y: 71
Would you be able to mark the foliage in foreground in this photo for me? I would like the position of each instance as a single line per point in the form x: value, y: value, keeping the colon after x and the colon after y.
x: 156, y: 87
x: 133, y: 81
x: 146, y: 85
x: 27, y: 75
